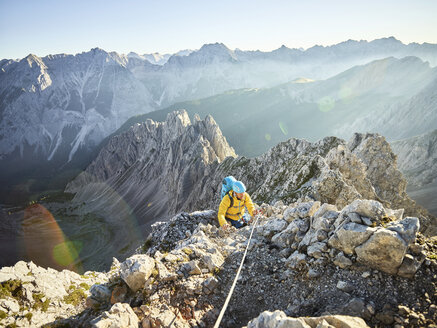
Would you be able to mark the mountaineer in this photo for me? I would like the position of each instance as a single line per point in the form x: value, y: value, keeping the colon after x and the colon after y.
x: 232, y: 207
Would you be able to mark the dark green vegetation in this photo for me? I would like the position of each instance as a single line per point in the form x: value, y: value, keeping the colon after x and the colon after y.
x: 14, y: 289
x: 76, y: 294
x: 11, y: 288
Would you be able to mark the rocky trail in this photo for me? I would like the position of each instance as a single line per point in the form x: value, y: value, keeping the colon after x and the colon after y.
x: 308, y: 265
x: 339, y: 244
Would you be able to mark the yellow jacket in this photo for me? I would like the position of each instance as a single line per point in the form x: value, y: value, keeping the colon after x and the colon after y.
x: 237, y: 210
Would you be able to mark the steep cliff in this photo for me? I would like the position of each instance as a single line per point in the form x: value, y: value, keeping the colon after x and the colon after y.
x: 417, y: 158
x: 332, y: 244
x: 153, y: 160
x: 154, y: 167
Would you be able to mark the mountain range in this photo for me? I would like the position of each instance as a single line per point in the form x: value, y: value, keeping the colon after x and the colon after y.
x: 399, y: 92
x: 55, y: 110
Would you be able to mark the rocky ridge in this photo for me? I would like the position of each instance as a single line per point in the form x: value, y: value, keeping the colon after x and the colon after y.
x: 418, y: 158
x: 330, y: 171
x: 56, y: 107
x: 309, y: 262
x: 152, y: 167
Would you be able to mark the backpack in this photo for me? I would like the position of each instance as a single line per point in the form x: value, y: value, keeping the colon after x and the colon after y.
x: 226, y: 187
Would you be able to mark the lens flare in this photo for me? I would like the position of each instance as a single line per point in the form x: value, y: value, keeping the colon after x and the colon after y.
x: 67, y: 252
x: 45, y: 243
x: 268, y: 137
x: 326, y: 104
x: 283, y: 128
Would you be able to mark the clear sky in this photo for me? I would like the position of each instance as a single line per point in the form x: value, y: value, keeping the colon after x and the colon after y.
x: 45, y: 27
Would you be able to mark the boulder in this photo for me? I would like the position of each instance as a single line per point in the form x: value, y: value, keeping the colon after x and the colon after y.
x: 384, y: 251
x: 409, y: 266
x: 349, y: 236
x: 100, y: 293
x: 321, y: 223
x: 296, y: 260
x: 191, y: 267
x: 273, y: 227
x: 120, y: 315
x: 325, y: 209
x: 407, y: 228
x: 284, y: 238
x: 357, y: 307
x: 210, y: 284
x: 279, y: 319
x: 136, y: 270
x: 163, y: 273
x: 364, y: 207
x: 317, y: 249
x: 303, y: 210
x: 342, y: 261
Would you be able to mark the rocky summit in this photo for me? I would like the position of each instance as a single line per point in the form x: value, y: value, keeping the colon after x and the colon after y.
x: 309, y: 264
x: 338, y: 242
x: 162, y: 168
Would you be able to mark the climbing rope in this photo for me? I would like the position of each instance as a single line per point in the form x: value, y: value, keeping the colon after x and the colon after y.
x: 222, y: 312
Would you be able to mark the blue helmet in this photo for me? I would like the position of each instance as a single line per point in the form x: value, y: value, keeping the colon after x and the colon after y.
x: 227, y: 185
x: 229, y: 181
x: 239, y: 187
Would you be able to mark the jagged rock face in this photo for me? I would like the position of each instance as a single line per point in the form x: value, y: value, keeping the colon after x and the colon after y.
x: 330, y: 170
x: 381, y: 167
x: 154, y: 167
x: 59, y: 104
x: 417, y: 160
x: 153, y: 160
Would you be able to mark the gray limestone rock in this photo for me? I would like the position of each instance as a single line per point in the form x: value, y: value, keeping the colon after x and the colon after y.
x: 272, y: 227
x: 120, y: 315
x: 407, y: 228
x: 163, y: 273
x: 349, y: 236
x: 345, y: 286
x: 210, y: 284
x: 100, y: 293
x: 10, y: 305
x: 381, y: 169
x: 136, y: 270
x: 317, y: 249
x: 279, y: 319
x: 355, y: 217
x: 384, y: 251
x: 357, y: 307
x: 365, y: 207
x: 409, y: 266
x: 342, y: 261
x: 296, y: 260
x: 324, y: 209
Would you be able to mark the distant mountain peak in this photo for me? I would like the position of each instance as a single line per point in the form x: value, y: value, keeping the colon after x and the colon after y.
x: 217, y: 45
x: 33, y: 59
